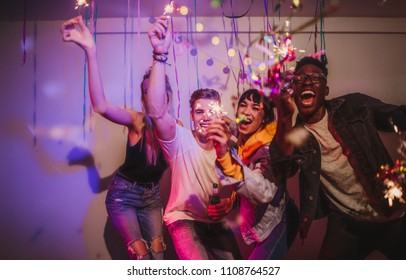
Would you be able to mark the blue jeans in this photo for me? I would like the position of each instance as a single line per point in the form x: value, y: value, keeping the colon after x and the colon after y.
x: 200, y: 241
x: 275, y: 246
x: 135, y: 210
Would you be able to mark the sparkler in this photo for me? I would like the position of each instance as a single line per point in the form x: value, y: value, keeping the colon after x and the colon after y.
x: 394, y: 180
x: 81, y: 3
x: 215, y: 111
x: 169, y: 8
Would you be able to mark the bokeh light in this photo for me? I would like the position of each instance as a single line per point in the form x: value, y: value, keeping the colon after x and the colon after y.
x: 215, y: 40
x: 231, y: 52
x: 199, y: 27
x: 183, y: 10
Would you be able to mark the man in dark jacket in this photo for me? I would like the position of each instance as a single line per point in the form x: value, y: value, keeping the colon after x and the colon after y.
x: 338, y: 159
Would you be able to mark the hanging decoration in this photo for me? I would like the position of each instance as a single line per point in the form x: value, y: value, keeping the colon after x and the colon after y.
x: 94, y: 32
x: 265, y: 74
x: 394, y: 178
x: 176, y: 68
x: 93, y: 19
x: 34, y: 121
x: 322, y: 37
x: 24, y: 32
x: 196, y: 59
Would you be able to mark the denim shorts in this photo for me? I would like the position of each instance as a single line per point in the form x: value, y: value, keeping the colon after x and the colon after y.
x: 135, y: 209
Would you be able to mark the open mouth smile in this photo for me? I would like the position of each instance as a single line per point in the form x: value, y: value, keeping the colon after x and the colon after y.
x: 307, y: 98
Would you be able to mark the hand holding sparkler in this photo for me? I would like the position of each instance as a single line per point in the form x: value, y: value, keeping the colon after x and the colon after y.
x: 75, y: 30
x: 160, y: 36
x: 218, y: 131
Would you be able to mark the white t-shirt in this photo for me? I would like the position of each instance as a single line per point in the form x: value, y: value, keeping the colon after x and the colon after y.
x: 192, y: 178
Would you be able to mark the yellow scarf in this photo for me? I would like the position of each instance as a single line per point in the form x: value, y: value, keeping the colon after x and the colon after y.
x: 261, y: 137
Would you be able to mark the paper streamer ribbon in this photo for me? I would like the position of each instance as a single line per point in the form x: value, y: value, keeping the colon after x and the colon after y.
x: 176, y: 68
x: 34, y: 117
x: 84, y: 85
x: 24, y: 32
x: 196, y: 59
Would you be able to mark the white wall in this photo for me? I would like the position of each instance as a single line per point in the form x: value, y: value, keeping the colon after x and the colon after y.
x: 53, y: 210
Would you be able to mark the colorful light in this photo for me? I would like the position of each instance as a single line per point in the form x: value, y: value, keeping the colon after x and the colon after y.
x: 262, y: 66
x: 199, y: 27
x: 241, y: 119
x: 247, y: 61
x: 394, y: 180
x: 231, y: 52
x: 216, y: 3
x: 215, y: 40
x: 169, y: 8
x: 81, y: 3
x: 183, y: 10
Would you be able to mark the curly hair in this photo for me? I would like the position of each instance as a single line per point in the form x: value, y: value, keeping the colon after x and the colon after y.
x: 314, y: 61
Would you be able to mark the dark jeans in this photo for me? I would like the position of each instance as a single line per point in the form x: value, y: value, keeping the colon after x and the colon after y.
x: 200, y: 241
x: 350, y: 239
x: 275, y: 246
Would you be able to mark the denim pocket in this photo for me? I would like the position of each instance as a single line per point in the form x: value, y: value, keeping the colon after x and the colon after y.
x: 119, y: 184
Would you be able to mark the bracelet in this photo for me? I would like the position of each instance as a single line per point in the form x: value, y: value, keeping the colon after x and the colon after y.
x: 160, y: 58
x: 157, y: 53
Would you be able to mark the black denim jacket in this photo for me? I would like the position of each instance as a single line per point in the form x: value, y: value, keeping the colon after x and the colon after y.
x: 354, y: 122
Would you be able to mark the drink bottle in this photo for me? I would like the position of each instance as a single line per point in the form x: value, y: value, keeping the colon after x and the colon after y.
x: 215, y: 198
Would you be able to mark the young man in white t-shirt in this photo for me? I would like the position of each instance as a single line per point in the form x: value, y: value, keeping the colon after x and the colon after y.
x: 196, y: 232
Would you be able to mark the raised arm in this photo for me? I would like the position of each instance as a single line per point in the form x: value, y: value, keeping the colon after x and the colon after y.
x: 285, y: 107
x: 74, y: 30
x: 157, y: 100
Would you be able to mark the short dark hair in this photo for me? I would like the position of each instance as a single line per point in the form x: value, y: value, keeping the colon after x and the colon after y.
x: 255, y: 96
x: 204, y: 93
x: 311, y: 60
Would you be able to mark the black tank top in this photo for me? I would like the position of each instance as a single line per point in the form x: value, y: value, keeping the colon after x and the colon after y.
x: 135, y: 166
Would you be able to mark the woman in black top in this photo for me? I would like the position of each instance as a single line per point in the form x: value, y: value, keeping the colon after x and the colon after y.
x: 133, y: 200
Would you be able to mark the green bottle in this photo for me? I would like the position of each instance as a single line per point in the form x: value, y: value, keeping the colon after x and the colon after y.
x: 215, y: 198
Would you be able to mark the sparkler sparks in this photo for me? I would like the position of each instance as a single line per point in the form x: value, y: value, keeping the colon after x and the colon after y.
x: 214, y: 111
x: 81, y: 3
x: 169, y: 8
x: 394, y: 180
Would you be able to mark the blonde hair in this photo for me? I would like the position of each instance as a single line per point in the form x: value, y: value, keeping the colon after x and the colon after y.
x: 152, y: 145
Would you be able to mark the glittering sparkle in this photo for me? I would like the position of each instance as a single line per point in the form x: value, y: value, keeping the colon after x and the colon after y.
x: 393, y: 179
x: 169, y: 8
x: 81, y: 3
